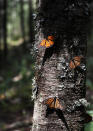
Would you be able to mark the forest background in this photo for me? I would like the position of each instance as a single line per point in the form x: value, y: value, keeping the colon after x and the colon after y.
x: 17, y: 64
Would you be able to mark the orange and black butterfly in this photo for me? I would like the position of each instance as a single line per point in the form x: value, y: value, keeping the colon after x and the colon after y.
x: 53, y: 103
x: 76, y: 61
x: 48, y: 42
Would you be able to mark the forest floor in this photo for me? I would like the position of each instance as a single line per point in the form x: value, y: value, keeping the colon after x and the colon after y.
x: 15, y: 121
x: 16, y: 105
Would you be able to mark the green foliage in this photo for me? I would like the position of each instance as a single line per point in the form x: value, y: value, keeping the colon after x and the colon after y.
x: 14, y: 24
x: 90, y: 113
x: 17, y: 76
x: 89, y: 127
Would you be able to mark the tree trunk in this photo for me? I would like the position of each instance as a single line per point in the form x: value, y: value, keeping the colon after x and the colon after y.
x: 5, y: 29
x: 22, y: 22
x: 66, y: 21
x: 30, y: 22
x: 1, y: 15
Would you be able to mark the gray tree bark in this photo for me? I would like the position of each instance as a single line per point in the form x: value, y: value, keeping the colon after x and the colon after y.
x: 66, y: 21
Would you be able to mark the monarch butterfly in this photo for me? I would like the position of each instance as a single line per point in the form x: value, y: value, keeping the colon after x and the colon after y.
x: 51, y: 37
x: 76, y: 61
x: 47, y: 42
x: 53, y: 103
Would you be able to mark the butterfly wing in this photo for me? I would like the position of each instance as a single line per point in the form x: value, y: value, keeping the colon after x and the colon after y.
x: 50, y: 102
x: 43, y: 42
x: 77, y: 58
x: 49, y: 43
x: 51, y: 40
x: 51, y: 37
x: 52, y: 105
x: 75, y: 62
x: 57, y: 105
x: 72, y: 65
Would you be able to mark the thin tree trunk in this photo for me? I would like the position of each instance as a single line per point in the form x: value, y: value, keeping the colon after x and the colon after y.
x: 1, y: 6
x: 66, y: 21
x: 5, y: 29
x: 31, y: 24
x: 22, y: 21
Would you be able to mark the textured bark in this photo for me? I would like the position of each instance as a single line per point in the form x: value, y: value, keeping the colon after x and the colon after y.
x: 66, y: 21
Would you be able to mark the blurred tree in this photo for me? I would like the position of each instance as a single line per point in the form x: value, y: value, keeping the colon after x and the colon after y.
x: 5, y: 29
x: 55, y: 78
x: 31, y: 24
x: 3, y: 26
x: 1, y: 6
x: 22, y: 22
